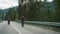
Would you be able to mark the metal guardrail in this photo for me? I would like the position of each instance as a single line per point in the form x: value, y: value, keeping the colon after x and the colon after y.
x: 45, y: 23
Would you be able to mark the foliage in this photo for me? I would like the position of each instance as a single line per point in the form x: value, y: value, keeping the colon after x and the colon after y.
x: 57, y: 11
x: 12, y: 13
x: 36, y: 11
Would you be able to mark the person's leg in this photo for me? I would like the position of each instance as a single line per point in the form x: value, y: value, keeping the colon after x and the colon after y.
x: 8, y: 22
x: 22, y: 23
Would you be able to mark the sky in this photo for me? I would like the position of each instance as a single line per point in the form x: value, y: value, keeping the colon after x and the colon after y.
x: 8, y: 3
x: 11, y: 3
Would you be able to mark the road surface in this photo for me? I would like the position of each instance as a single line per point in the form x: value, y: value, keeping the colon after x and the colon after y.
x: 15, y: 28
x: 7, y: 29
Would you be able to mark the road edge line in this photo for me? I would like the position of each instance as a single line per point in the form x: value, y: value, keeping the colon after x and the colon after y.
x: 16, y: 29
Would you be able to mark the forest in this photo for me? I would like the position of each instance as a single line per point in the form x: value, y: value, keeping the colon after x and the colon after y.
x: 36, y: 11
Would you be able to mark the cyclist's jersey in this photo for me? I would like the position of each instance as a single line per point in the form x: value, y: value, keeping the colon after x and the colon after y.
x: 22, y: 18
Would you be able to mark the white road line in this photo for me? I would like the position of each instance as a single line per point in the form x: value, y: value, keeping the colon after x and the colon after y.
x: 16, y: 29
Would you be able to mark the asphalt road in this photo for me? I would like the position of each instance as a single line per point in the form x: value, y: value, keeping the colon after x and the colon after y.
x: 15, y: 28
x: 7, y: 29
